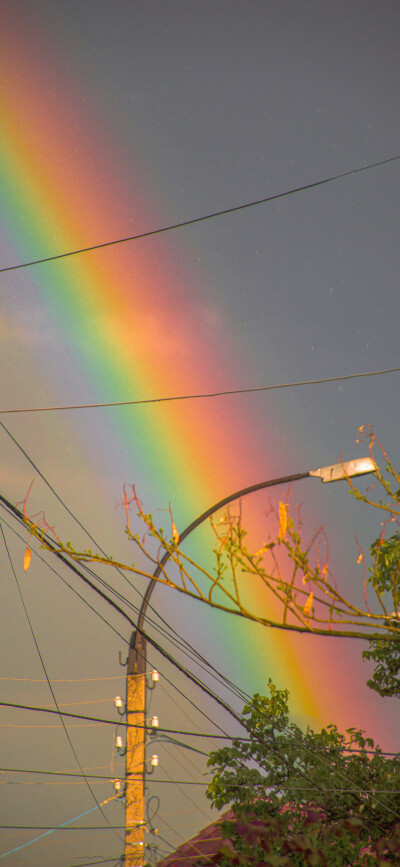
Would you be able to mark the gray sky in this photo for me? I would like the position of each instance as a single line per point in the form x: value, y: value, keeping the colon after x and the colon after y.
x: 124, y: 117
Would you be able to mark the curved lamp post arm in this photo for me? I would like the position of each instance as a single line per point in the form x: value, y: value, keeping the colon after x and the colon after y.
x: 332, y: 473
x: 200, y: 520
x: 136, y: 671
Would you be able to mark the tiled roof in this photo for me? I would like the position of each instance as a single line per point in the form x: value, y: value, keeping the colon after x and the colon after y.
x: 202, y: 847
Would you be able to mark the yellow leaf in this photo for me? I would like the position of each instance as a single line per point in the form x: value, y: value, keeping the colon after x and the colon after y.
x: 282, y: 520
x: 27, y: 559
x: 260, y: 552
x: 359, y: 558
x: 307, y: 607
x: 175, y: 534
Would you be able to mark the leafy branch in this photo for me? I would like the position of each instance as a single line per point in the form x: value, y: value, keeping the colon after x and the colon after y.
x: 293, y: 574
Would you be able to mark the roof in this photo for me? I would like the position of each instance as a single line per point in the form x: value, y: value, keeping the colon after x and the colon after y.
x: 203, y: 846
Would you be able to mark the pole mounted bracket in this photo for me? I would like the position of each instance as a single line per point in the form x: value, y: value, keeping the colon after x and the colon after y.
x: 137, y: 654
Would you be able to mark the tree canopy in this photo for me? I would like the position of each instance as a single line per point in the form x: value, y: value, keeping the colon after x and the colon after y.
x: 315, y: 798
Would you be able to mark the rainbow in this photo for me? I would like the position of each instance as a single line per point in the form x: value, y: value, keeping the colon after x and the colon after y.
x: 132, y: 319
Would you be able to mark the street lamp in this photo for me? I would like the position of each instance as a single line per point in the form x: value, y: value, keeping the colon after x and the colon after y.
x: 136, y: 672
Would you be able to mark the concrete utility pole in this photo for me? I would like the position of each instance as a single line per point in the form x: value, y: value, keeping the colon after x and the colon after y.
x: 135, y: 753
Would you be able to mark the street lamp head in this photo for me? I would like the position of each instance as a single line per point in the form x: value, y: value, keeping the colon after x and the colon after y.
x: 345, y: 470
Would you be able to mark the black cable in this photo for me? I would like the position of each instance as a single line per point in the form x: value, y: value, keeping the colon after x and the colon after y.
x: 164, y: 653
x: 159, y: 837
x: 56, y: 773
x: 173, y: 398
x: 111, y: 627
x: 107, y: 623
x: 64, y: 581
x: 16, y: 513
x: 228, y: 683
x: 160, y: 731
x: 161, y: 650
x: 57, y: 711
x: 178, y: 638
x: 57, y: 828
x: 103, y: 861
x: 194, y: 220
x: 60, y: 500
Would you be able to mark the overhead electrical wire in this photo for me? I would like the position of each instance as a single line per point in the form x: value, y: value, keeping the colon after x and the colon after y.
x: 57, y: 711
x: 227, y: 683
x: 107, y: 622
x: 67, y: 828
x: 57, y: 827
x: 187, y: 796
x: 320, y: 757
x: 265, y: 388
x: 168, y: 656
x: 184, y: 670
x: 236, y: 691
x: 177, y: 639
x: 82, y: 598
x: 55, y: 773
x: 198, y: 396
x: 112, y: 722
x: 104, y: 620
x: 115, y: 861
x: 194, y: 220
x: 155, y: 644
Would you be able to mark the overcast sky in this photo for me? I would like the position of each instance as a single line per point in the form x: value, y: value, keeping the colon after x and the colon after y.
x: 121, y: 118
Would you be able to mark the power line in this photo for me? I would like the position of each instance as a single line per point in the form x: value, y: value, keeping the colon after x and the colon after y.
x: 202, y: 219
x: 121, y: 677
x: 176, y: 640
x: 57, y: 711
x: 178, y: 665
x: 85, y: 601
x: 316, y: 753
x: 57, y: 827
x: 155, y: 644
x: 199, y: 396
x: 55, y: 773
x: 52, y: 828
x: 19, y: 516
x: 116, y: 861
x: 113, y: 722
x: 62, y: 679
